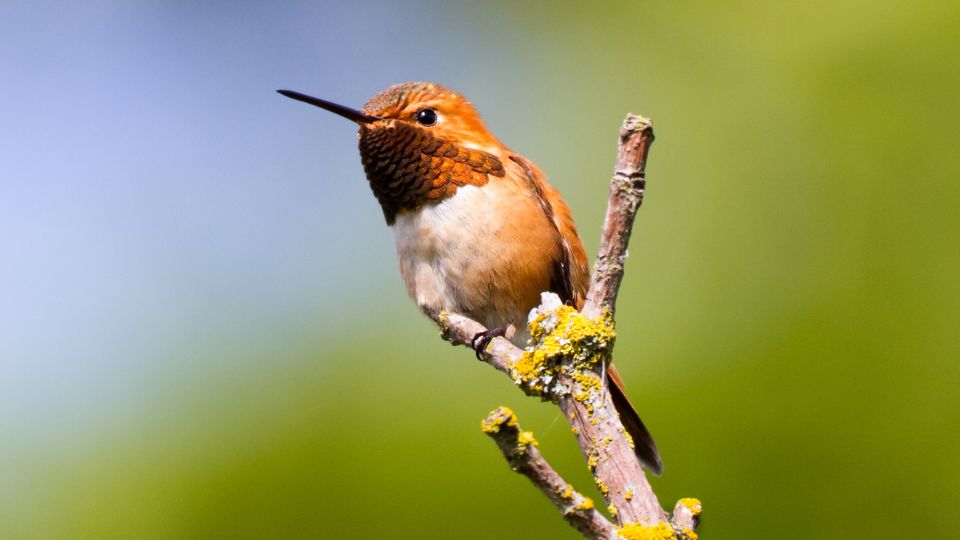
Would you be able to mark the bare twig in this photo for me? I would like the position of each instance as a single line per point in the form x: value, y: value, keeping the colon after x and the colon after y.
x: 626, y: 195
x: 520, y: 449
x: 566, y: 363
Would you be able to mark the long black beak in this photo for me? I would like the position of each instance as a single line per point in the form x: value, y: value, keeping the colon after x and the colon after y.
x: 346, y: 112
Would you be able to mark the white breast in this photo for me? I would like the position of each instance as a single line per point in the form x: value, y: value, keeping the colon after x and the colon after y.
x: 440, y: 244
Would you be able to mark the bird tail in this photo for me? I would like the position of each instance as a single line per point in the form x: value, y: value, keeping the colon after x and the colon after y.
x: 643, y: 443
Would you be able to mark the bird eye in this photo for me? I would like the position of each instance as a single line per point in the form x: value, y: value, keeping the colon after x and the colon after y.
x: 427, y: 117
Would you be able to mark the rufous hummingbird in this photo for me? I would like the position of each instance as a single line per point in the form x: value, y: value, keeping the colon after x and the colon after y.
x: 478, y: 229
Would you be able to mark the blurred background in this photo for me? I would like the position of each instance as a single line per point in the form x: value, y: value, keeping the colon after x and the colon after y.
x: 203, y: 332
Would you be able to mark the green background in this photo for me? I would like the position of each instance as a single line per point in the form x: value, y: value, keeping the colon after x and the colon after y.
x: 206, y: 335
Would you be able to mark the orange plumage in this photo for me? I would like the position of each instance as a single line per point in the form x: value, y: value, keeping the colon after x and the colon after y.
x: 478, y: 229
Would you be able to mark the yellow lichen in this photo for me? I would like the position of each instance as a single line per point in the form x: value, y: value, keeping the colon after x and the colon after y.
x: 588, y: 384
x: 562, y: 332
x: 613, y: 510
x: 637, y: 531
x: 628, y: 495
x: 526, y: 438
x: 692, y: 504
x: 588, y: 380
x: 585, y: 504
x: 568, y: 492
x: 629, y: 438
x: 575, y: 430
x: 593, y: 461
x: 601, y: 486
x: 497, y: 418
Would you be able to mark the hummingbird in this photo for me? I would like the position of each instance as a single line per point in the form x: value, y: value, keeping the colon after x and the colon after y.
x: 478, y: 229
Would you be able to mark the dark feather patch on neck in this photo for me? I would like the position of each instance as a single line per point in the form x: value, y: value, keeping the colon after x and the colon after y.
x: 408, y: 166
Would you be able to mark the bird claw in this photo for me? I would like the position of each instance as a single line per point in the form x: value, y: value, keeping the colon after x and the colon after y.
x: 482, y: 339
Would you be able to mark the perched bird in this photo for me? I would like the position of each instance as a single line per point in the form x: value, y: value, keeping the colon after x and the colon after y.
x: 478, y: 229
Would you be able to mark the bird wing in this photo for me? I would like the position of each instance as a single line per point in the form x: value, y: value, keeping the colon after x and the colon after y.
x: 571, y: 275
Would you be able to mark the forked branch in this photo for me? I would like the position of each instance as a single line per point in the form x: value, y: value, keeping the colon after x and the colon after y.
x: 565, y: 363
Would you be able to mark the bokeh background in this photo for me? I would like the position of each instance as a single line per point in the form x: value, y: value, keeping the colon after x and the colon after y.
x: 203, y: 333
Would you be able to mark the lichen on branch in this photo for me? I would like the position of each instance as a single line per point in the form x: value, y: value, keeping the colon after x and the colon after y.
x: 520, y: 450
x: 638, y: 531
x: 563, y: 340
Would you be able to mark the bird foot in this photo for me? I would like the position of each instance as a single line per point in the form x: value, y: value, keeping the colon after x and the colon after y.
x: 482, y: 339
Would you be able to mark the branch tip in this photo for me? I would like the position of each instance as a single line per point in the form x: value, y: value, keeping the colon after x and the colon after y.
x: 519, y: 449
x: 686, y: 517
x: 497, y: 419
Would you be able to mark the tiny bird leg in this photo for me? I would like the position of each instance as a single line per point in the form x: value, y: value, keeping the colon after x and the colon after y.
x: 483, y: 339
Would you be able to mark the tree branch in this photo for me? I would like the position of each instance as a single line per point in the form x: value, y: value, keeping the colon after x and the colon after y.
x: 459, y: 330
x: 626, y: 194
x: 567, y: 362
x: 520, y: 450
